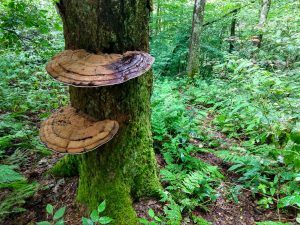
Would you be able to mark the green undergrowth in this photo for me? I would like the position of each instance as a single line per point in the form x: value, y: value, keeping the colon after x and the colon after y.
x: 255, y: 108
x: 260, y: 109
x: 26, y: 97
x: 29, y: 36
x: 189, y: 182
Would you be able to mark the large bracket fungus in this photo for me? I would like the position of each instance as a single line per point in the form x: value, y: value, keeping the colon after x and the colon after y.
x: 83, y: 69
x: 70, y: 131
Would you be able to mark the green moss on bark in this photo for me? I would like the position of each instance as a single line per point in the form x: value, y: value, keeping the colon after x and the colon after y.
x: 120, y: 172
x: 116, y: 194
x: 65, y: 167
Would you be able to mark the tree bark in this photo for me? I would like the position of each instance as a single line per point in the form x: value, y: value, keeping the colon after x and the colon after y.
x: 232, y: 31
x: 194, y: 52
x: 264, y: 11
x: 124, y: 169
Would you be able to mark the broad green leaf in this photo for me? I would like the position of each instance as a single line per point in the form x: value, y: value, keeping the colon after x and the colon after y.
x: 94, y: 216
x: 102, y: 207
x: 49, y: 209
x: 105, y: 220
x: 289, y: 201
x: 59, y: 213
x: 157, y: 218
x: 86, y: 221
x: 143, y: 221
x: 262, y: 187
x: 44, y: 223
x: 153, y: 223
x: 272, y: 191
x: 60, y: 222
x: 151, y: 213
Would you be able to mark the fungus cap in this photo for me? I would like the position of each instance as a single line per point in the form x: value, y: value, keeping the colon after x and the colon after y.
x: 82, y: 69
x: 255, y: 39
x: 70, y: 131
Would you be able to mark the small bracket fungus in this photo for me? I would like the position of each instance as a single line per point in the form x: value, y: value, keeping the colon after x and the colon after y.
x: 69, y: 131
x: 255, y: 40
x: 82, y: 69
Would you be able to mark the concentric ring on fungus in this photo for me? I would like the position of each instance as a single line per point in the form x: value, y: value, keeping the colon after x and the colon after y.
x: 82, y: 69
x: 70, y: 131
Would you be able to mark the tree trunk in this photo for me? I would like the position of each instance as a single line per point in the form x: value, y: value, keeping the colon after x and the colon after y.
x: 264, y: 11
x: 194, y: 52
x: 232, y: 31
x: 158, y: 18
x: 124, y: 169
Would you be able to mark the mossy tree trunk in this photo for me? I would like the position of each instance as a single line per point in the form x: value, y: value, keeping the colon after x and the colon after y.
x: 124, y: 169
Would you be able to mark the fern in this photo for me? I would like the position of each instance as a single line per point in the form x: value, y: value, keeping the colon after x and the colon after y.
x: 192, y: 181
x: 14, y: 201
x: 18, y: 188
x: 173, y: 213
x: 200, y: 221
x: 7, y: 174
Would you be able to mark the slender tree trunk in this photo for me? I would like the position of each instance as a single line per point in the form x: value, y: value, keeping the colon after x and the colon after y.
x: 194, y: 52
x: 124, y: 169
x: 158, y: 18
x: 264, y: 11
x: 232, y: 31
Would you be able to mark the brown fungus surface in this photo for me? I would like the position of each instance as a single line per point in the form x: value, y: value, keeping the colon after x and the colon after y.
x: 82, y: 69
x: 70, y: 131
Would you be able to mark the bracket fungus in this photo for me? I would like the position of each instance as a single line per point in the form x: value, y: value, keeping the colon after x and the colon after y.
x: 255, y: 40
x: 83, y: 69
x: 70, y: 131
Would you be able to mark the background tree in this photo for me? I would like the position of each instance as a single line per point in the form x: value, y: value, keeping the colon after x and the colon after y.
x: 124, y: 169
x: 263, y: 15
x: 158, y: 18
x: 194, y: 58
x: 232, y: 30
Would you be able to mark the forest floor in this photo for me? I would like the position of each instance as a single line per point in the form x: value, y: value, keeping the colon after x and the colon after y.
x: 21, y: 132
x: 224, y: 211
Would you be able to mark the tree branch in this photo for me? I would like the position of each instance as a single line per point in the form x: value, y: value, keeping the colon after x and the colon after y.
x: 20, y: 37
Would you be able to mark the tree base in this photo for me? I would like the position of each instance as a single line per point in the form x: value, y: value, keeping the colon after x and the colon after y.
x: 117, y: 187
x: 118, y: 199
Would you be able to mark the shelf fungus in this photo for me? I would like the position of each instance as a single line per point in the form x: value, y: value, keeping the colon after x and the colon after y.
x: 82, y: 69
x: 70, y: 131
